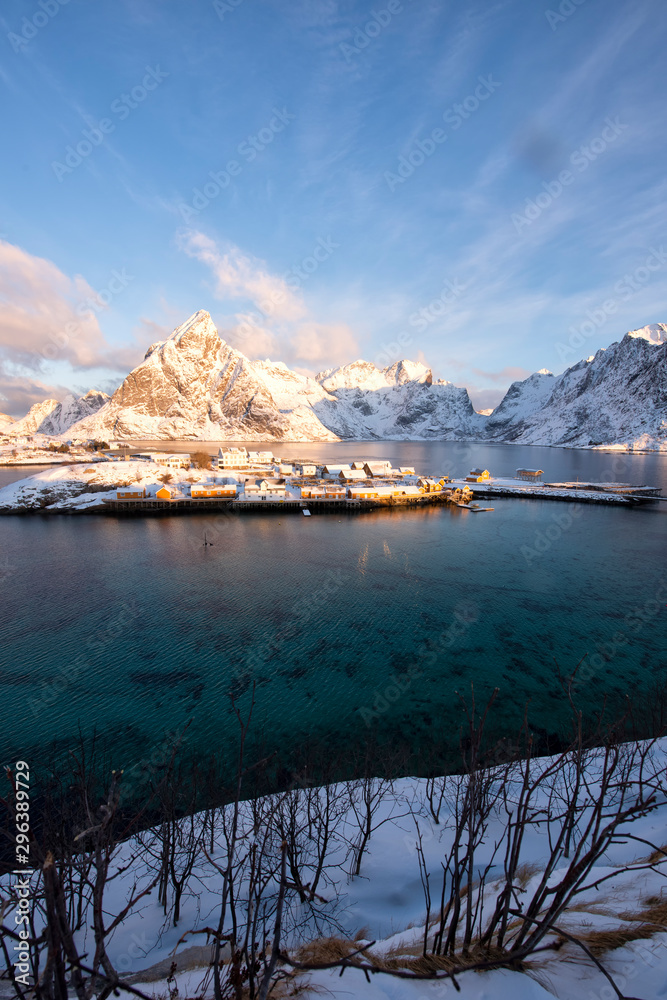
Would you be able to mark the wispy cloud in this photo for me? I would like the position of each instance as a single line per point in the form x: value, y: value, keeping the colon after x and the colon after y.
x: 46, y: 316
x: 280, y: 325
x: 19, y: 392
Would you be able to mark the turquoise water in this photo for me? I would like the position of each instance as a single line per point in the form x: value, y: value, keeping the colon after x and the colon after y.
x: 363, y: 628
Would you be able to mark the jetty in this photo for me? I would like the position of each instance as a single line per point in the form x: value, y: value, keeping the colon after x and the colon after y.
x: 281, y: 505
x: 617, y: 494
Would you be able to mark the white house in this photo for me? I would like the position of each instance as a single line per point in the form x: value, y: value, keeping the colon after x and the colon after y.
x: 373, y: 469
x: 232, y: 458
x: 163, y: 458
x: 171, y: 461
x: 265, y: 488
x: 308, y: 470
x: 334, y: 471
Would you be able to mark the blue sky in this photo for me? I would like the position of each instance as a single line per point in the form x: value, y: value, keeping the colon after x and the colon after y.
x: 478, y: 185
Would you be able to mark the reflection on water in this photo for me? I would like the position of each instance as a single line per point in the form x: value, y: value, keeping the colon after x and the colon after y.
x: 363, y: 627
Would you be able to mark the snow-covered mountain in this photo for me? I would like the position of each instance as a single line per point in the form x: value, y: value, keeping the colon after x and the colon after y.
x: 401, y: 402
x: 617, y: 396
x: 194, y: 385
x: 53, y: 418
x: 5, y: 422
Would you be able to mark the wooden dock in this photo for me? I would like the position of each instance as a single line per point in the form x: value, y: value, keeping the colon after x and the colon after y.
x: 320, y: 505
x: 567, y: 494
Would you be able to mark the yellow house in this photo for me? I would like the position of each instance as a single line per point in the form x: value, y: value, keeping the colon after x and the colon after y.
x: 212, y: 491
x: 478, y: 476
x: 164, y: 493
x: 362, y: 493
x: 134, y: 493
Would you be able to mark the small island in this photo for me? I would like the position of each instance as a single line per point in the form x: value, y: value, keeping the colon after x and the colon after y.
x: 151, y: 482
x: 120, y: 481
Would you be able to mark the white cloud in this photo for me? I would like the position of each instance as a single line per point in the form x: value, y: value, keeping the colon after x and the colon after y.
x: 47, y: 316
x: 19, y: 392
x: 333, y: 343
x: 41, y: 318
x: 281, y: 327
x: 239, y: 276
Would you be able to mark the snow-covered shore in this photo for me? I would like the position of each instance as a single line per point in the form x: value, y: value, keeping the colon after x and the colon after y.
x: 85, y: 486
x: 385, y: 902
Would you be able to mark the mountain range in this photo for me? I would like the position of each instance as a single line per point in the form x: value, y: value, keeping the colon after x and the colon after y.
x: 195, y: 386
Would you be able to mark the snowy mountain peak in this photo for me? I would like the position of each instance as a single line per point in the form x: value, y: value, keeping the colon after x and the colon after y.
x: 408, y: 371
x: 357, y: 375
x: 654, y: 333
x: 616, y: 396
x: 366, y: 376
x: 193, y: 385
x: 52, y: 417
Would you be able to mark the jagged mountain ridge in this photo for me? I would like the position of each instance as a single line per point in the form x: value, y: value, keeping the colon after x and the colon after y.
x: 617, y: 396
x: 54, y: 418
x: 193, y: 385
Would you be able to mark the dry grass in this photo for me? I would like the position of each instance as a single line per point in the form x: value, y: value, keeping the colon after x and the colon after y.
x: 332, y: 949
x: 411, y: 958
x: 660, y: 854
x: 525, y: 872
x: 408, y: 957
x: 638, y: 926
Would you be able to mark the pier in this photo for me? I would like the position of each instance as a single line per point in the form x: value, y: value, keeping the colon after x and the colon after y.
x: 185, y: 505
x: 602, y: 493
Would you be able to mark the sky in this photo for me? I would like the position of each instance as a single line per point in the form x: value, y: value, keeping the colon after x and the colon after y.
x: 479, y: 186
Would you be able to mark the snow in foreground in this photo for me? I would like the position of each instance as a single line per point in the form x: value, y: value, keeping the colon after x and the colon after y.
x: 385, y: 902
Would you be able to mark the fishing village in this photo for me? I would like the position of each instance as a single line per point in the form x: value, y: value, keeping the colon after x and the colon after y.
x: 116, y: 479
x: 252, y: 481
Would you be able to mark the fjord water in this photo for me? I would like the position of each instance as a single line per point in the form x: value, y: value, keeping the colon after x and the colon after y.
x: 352, y: 627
